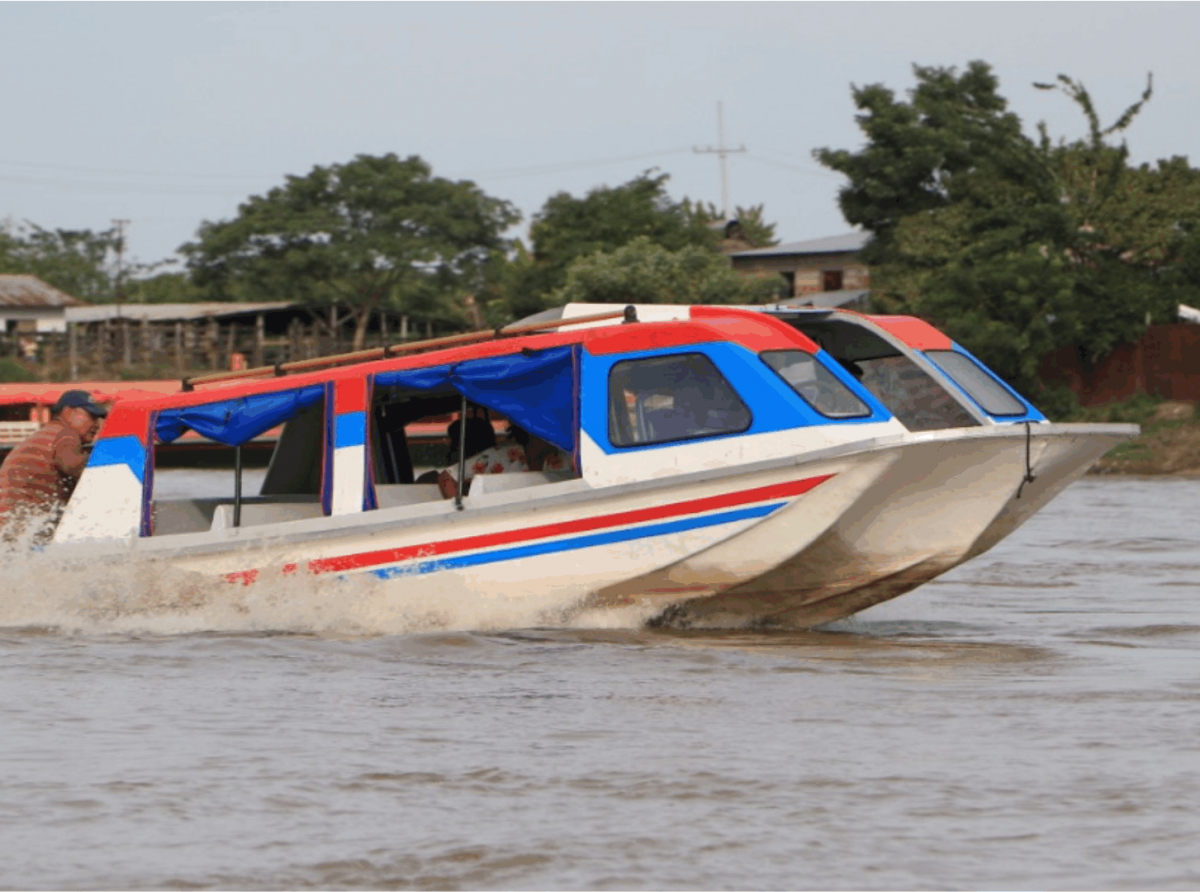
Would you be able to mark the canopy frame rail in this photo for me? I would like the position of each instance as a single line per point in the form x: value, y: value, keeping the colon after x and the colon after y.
x: 393, y: 350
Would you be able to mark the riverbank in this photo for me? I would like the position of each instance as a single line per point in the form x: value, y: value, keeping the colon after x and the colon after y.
x: 1169, y: 443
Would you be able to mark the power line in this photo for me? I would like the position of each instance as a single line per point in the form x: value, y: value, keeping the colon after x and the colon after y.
x: 166, y: 189
x: 809, y: 171
x: 150, y: 173
x: 563, y: 167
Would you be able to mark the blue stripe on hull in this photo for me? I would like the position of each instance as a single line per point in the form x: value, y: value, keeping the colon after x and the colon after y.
x: 541, y: 548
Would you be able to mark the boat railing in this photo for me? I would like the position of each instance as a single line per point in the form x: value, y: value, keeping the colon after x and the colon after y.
x: 391, y: 351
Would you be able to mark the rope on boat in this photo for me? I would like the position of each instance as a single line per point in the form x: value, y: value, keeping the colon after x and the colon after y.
x: 1029, y: 476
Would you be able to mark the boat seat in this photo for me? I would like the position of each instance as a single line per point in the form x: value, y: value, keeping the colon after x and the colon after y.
x: 483, y: 484
x: 671, y: 424
x: 394, y: 495
x: 260, y: 513
x: 183, y: 516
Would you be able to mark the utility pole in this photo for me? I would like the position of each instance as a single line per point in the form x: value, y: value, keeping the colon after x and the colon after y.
x: 723, y: 152
x: 120, y: 225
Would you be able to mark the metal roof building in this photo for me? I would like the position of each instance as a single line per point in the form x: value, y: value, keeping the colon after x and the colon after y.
x: 189, y: 312
x: 27, y: 304
x: 851, y: 242
x: 818, y: 265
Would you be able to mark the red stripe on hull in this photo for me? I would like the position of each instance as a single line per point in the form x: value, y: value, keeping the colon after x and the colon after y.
x: 582, y: 525
x: 585, y: 524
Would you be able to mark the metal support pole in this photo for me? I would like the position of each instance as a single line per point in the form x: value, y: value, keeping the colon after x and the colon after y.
x: 462, y: 456
x: 237, y: 486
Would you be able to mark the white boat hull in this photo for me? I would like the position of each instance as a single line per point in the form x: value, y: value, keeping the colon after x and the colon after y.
x: 795, y: 542
x: 943, y: 498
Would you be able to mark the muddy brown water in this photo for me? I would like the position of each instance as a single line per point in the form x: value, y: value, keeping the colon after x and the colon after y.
x: 1031, y: 720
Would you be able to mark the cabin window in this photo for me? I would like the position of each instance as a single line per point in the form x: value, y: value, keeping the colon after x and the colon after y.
x: 669, y: 398
x: 815, y: 384
x: 992, y: 397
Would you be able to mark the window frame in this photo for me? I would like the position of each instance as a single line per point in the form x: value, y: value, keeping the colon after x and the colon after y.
x: 731, y: 432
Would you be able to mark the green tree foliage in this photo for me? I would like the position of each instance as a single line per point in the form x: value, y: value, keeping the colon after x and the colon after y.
x: 607, y: 218
x: 79, y: 262
x: 13, y: 371
x: 1014, y: 246
x: 376, y: 231
x: 163, y: 288
x: 645, y: 272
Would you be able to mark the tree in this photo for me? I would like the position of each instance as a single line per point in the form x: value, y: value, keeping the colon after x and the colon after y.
x: 645, y: 272
x: 162, y: 288
x: 607, y: 218
x: 1014, y: 246
x: 79, y: 262
x: 377, y: 230
x: 755, y: 229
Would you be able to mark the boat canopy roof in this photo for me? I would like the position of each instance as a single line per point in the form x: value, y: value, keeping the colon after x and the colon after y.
x: 753, y: 330
x: 531, y: 379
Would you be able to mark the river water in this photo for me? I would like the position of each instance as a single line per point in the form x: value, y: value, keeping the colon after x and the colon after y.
x: 1031, y: 720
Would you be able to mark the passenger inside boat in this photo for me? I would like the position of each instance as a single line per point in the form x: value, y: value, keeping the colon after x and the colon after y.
x: 337, y: 454
x: 522, y: 453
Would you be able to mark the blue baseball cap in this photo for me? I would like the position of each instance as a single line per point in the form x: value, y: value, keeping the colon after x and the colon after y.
x: 79, y: 399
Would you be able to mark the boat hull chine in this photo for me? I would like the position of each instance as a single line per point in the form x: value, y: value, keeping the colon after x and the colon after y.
x: 943, y: 500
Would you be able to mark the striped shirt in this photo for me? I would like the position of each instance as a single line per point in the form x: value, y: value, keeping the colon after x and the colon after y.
x: 40, y: 474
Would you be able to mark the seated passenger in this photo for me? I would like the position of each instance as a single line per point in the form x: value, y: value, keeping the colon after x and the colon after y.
x: 524, y: 452
x: 540, y: 455
x: 479, y: 436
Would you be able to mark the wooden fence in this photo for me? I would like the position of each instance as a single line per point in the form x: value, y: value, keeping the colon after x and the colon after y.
x: 1164, y: 363
x: 175, y: 348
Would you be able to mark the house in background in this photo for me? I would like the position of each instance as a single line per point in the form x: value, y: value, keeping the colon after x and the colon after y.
x: 28, y: 306
x: 821, y: 265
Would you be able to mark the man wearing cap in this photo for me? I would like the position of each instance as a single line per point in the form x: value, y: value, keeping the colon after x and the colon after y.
x: 39, y: 475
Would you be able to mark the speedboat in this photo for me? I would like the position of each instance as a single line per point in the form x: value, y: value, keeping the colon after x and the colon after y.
x: 729, y: 466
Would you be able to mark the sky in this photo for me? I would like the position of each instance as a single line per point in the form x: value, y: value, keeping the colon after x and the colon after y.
x: 171, y: 114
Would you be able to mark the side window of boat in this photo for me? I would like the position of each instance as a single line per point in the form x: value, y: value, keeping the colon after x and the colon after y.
x: 991, y: 396
x: 668, y: 398
x: 281, y: 473
x: 815, y: 384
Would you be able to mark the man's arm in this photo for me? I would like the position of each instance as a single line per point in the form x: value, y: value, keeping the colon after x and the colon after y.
x: 70, y: 457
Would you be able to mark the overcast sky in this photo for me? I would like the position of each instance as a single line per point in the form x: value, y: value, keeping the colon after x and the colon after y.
x: 169, y: 114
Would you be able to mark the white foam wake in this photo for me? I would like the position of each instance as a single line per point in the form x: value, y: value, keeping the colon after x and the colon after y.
x: 150, y: 597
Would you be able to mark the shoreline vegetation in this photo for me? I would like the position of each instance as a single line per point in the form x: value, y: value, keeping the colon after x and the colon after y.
x: 1168, y: 445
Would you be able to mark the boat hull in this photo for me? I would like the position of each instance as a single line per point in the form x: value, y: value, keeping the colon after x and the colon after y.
x: 798, y: 542
x: 944, y: 498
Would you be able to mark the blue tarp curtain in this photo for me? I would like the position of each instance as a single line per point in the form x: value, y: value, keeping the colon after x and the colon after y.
x: 535, y: 391
x: 237, y: 421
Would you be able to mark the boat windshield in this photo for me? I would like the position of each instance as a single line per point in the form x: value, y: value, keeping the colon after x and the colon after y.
x: 815, y: 384
x: 910, y: 393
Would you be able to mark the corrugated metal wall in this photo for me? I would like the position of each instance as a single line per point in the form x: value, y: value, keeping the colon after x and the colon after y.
x: 1165, y: 363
